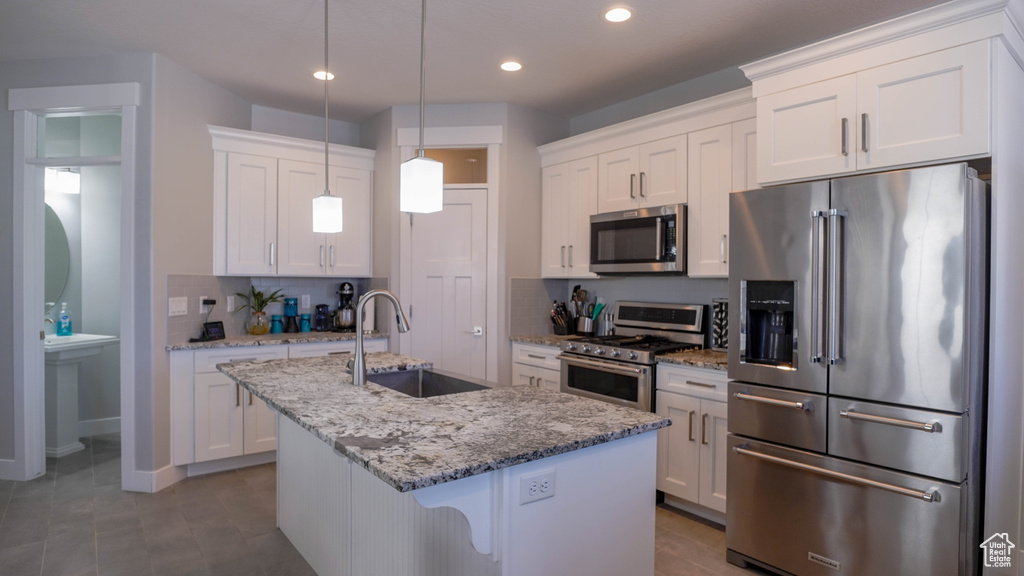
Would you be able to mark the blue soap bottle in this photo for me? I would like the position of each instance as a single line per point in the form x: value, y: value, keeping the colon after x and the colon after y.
x: 64, y: 321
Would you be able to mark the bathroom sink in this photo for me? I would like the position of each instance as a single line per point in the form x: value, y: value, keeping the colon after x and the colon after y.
x: 75, y: 347
x: 426, y: 383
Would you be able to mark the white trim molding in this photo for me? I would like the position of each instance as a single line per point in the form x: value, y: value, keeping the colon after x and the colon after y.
x: 69, y: 98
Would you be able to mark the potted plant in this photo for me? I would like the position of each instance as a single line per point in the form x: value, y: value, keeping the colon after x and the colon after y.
x: 256, y: 301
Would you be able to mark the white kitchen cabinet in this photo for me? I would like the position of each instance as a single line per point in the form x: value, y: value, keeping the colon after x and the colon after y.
x: 536, y: 365
x: 264, y: 187
x: 338, y: 347
x: 922, y: 109
x: 692, y: 452
x: 648, y: 175
x: 569, y: 198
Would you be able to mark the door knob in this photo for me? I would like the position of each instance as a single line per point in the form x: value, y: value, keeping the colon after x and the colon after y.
x: 476, y: 331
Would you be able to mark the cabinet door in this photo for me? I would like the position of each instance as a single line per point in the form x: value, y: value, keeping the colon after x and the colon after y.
x: 710, y: 176
x: 251, y: 215
x: 617, y: 185
x: 679, y: 446
x: 808, y: 131
x: 524, y: 375
x: 713, y: 452
x: 218, y: 417
x: 549, y: 379
x: 662, y: 172
x: 922, y: 109
x: 348, y: 251
x: 259, y: 425
x: 744, y: 155
x: 554, y: 233
x: 582, y: 203
x: 301, y: 252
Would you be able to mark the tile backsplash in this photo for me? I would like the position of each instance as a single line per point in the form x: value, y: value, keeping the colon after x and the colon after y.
x: 530, y: 304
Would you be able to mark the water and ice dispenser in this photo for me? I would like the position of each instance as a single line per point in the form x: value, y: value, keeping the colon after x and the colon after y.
x: 768, y: 334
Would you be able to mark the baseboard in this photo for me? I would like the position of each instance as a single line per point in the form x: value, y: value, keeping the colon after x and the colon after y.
x: 696, y: 509
x: 12, y: 470
x: 99, y: 426
x: 213, y: 466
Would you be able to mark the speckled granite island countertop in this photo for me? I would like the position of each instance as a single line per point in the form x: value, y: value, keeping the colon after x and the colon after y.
x: 275, y: 339
x: 413, y: 443
x: 542, y: 339
x: 706, y: 358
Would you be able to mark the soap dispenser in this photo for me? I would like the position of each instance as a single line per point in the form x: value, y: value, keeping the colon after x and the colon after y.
x: 63, y: 321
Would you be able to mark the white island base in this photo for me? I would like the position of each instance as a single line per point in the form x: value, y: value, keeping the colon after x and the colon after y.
x: 347, y: 522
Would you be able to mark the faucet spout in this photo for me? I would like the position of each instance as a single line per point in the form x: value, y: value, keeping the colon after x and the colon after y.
x: 357, y: 365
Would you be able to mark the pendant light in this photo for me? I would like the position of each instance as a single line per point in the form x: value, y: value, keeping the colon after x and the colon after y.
x: 422, y: 179
x: 327, y: 213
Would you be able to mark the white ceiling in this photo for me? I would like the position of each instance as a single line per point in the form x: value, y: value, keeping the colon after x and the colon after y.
x: 574, y: 62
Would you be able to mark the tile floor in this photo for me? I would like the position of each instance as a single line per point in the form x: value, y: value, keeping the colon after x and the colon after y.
x: 76, y: 521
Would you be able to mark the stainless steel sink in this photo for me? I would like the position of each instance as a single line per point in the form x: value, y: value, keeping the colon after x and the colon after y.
x: 426, y: 383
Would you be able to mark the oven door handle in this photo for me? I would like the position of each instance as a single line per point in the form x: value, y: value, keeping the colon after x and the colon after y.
x: 604, y: 366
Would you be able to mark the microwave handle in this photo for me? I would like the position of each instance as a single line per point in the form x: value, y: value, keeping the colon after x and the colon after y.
x: 658, y: 238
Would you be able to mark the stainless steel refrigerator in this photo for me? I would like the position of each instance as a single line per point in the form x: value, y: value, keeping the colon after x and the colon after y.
x: 858, y: 374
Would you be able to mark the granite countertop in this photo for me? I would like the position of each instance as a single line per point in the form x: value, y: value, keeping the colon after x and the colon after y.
x: 275, y: 339
x: 706, y: 358
x: 542, y: 339
x: 413, y: 443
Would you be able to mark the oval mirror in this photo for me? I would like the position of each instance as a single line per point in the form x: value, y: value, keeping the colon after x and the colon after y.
x: 58, y: 258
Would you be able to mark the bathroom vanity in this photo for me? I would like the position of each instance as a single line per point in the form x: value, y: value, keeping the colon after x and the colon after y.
x: 500, y: 481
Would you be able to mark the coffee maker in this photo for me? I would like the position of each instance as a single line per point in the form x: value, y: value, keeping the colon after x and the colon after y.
x: 345, y: 315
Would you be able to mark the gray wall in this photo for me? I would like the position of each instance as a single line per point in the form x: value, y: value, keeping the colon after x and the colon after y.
x: 65, y: 72
x: 285, y: 123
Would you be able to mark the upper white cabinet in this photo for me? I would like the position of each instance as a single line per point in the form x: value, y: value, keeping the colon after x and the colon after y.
x: 569, y: 198
x: 651, y: 174
x: 916, y: 110
x: 264, y: 187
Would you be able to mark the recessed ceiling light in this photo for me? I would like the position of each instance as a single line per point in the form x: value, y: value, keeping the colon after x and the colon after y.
x: 511, y: 66
x: 319, y: 75
x: 618, y: 15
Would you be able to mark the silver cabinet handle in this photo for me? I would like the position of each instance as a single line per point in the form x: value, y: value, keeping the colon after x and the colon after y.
x: 704, y: 384
x: 845, y: 135
x: 271, y: 253
x: 570, y: 255
x: 253, y: 359
x: 563, y: 256
x: 704, y: 428
x: 690, y: 429
x: 773, y: 401
x: 238, y: 395
x: 835, y: 295
x: 929, y: 496
x: 923, y: 426
x: 537, y: 356
x: 657, y: 238
x: 642, y: 195
x: 817, y: 282
x: 250, y: 398
x: 323, y: 256
x: 531, y: 380
x: 864, y: 132
x: 632, y: 186
x: 332, y: 256
x: 721, y: 248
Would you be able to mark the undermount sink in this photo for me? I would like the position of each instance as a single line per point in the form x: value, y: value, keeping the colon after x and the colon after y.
x: 75, y: 347
x: 426, y: 383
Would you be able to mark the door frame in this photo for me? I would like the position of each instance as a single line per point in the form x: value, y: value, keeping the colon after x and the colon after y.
x: 489, y: 137
x: 29, y: 401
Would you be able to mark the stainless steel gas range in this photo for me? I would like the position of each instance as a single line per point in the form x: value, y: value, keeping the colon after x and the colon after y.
x: 620, y: 368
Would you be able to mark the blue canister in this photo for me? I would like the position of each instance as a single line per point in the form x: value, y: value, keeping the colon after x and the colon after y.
x: 305, y: 325
x: 276, y: 326
x: 291, y: 306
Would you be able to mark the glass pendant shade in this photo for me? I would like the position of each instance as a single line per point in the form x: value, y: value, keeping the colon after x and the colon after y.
x: 422, y: 185
x: 327, y: 214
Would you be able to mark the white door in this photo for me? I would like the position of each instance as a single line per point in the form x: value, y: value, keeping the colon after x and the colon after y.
x: 449, y: 284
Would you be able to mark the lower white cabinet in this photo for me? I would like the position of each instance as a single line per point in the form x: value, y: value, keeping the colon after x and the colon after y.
x: 536, y: 365
x: 692, y: 451
x: 328, y: 348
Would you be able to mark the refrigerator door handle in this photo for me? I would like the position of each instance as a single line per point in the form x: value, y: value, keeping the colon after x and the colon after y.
x: 773, y: 401
x: 931, y: 495
x: 836, y: 238
x: 923, y: 426
x: 817, y: 281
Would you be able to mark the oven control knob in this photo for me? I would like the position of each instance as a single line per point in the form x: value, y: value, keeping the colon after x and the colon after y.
x: 586, y: 348
x: 599, y: 351
x: 632, y: 356
x: 615, y: 353
x: 570, y: 347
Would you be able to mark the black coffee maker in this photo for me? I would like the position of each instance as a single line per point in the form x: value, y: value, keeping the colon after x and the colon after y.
x: 322, y: 320
x: 345, y: 315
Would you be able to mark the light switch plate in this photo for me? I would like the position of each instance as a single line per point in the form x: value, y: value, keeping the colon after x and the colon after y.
x: 305, y: 301
x: 177, y: 306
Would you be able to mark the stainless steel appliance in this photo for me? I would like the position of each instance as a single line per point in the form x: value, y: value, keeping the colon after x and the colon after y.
x: 855, y: 414
x: 646, y: 240
x: 620, y: 368
x: 345, y: 315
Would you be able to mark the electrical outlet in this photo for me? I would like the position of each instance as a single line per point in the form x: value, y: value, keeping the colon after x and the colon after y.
x: 231, y: 303
x: 305, y: 301
x: 177, y: 306
x: 536, y: 486
x: 203, y: 308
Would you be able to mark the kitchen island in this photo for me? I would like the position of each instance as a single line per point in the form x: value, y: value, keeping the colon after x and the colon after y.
x: 502, y: 481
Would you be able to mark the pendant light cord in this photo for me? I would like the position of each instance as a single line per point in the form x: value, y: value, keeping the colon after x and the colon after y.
x: 327, y: 122
x: 423, y: 63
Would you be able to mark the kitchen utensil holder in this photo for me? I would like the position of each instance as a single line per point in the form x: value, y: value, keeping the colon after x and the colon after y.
x: 566, y: 330
x: 585, y: 326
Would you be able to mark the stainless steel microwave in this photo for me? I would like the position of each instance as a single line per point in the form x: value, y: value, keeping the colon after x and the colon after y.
x: 641, y: 241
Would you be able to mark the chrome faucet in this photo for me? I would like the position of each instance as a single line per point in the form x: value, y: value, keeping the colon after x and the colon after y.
x: 357, y: 365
